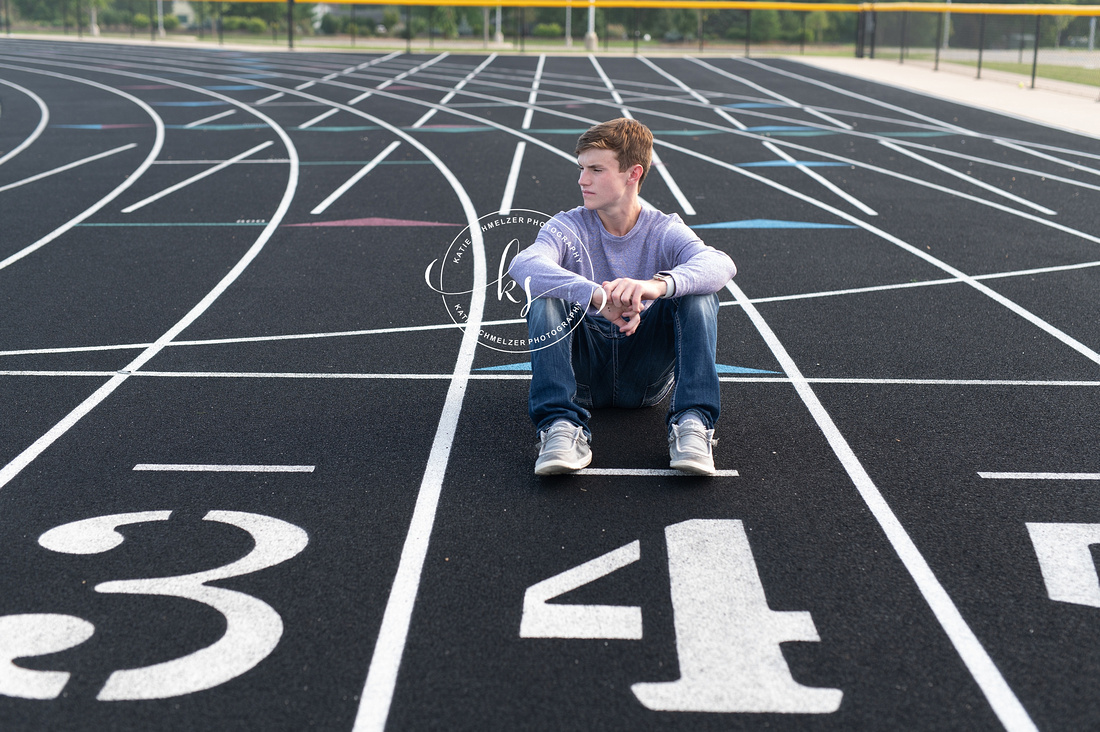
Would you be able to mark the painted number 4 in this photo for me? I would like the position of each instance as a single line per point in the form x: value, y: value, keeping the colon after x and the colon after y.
x: 727, y: 638
x: 253, y: 628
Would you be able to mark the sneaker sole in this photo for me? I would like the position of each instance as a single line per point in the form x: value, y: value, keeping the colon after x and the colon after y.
x: 557, y: 467
x: 693, y: 467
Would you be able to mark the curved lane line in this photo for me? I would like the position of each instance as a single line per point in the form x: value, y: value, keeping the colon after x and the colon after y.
x: 28, y: 455
x: 43, y: 120
x: 154, y: 151
x: 381, y: 681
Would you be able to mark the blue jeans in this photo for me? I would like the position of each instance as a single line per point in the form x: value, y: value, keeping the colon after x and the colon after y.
x: 596, y: 366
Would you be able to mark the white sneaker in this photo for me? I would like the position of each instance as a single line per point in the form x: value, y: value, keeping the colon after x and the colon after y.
x: 563, y: 448
x: 690, y: 446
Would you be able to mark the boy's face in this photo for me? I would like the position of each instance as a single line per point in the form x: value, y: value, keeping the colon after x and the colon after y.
x: 602, y: 184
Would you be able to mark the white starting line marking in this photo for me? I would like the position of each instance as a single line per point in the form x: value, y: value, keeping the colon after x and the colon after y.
x: 1041, y: 476
x: 226, y: 468
x: 647, y: 471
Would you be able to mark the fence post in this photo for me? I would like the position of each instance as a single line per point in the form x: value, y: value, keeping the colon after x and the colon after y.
x: 1035, y: 56
x: 290, y: 24
x: 861, y: 28
x: 939, y: 40
x: 981, y: 43
x: 635, y: 21
x: 748, y: 31
x: 1020, y: 57
x: 901, y: 50
x: 802, y: 36
x: 700, y: 29
x: 874, y: 31
x: 408, y: 29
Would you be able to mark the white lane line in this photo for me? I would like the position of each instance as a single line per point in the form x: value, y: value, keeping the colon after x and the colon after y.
x: 530, y: 111
x: 43, y: 120
x: 969, y: 179
x: 211, y: 118
x: 814, y: 151
x: 1005, y: 705
x: 516, y: 321
x: 319, y: 118
x: 1027, y: 315
x: 521, y: 146
x: 399, y: 77
x: 645, y: 472
x: 698, y: 97
x: 998, y: 164
x: 196, y: 468
x: 513, y: 179
x: 823, y: 181
x: 774, y: 95
x: 306, y: 85
x: 379, y: 60
x: 70, y: 166
x: 855, y: 95
x: 451, y: 94
x: 381, y: 681
x: 807, y: 171
x: 29, y: 454
x: 662, y: 169
x: 1018, y: 145
x: 523, y: 376
x: 1044, y: 156
x: 184, y: 183
x: 272, y: 98
x: 355, y: 178
x: 154, y: 151
x: 1041, y: 476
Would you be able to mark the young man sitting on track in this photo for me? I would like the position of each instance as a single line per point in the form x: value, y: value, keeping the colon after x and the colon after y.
x: 647, y: 284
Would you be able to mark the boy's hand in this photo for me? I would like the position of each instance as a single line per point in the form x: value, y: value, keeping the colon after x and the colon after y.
x: 625, y: 301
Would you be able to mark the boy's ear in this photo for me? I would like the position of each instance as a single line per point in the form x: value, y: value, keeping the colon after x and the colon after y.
x: 635, y: 174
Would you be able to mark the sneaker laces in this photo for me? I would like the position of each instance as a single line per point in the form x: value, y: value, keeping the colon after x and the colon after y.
x: 692, y: 436
x: 561, y: 435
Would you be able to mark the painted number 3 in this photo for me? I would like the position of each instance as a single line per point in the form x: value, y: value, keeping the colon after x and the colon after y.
x: 253, y: 628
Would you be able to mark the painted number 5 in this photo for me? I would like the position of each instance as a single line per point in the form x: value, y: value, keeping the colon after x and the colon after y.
x: 253, y: 628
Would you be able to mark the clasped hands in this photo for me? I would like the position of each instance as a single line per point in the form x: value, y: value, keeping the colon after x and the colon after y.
x: 622, y: 301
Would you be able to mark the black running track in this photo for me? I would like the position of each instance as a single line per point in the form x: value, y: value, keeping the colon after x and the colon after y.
x: 255, y: 477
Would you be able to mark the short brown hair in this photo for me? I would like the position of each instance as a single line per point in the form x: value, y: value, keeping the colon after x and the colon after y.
x: 629, y: 139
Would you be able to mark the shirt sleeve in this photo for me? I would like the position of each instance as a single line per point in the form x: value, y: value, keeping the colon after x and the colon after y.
x: 543, y: 267
x: 696, y: 268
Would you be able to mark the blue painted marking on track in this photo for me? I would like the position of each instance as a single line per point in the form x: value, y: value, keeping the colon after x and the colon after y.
x: 507, y: 367
x: 756, y: 105
x: 785, y: 164
x: 769, y: 224
x: 724, y: 369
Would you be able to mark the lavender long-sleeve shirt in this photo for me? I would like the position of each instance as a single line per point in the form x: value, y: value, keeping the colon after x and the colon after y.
x: 573, y: 253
